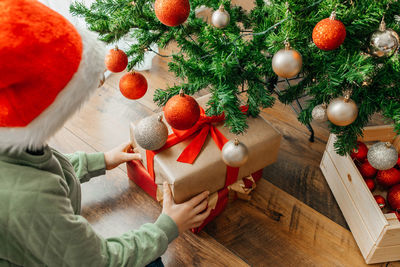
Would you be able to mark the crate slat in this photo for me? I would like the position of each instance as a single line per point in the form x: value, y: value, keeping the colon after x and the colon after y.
x: 365, y: 203
x: 346, y: 204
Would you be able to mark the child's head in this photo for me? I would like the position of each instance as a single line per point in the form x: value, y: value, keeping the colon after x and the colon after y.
x: 47, y: 70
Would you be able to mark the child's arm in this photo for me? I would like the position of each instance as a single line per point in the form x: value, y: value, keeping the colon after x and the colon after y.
x: 87, y: 165
x: 62, y: 238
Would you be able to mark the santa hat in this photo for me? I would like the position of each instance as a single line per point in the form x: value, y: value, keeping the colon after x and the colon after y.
x: 48, y: 68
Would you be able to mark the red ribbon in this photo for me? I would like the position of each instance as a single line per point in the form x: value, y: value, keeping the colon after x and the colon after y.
x: 200, y: 130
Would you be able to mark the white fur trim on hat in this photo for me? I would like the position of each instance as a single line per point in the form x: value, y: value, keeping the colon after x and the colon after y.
x: 68, y: 101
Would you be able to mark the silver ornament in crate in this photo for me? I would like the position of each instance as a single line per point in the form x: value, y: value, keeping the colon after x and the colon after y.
x: 235, y: 153
x: 382, y: 156
x: 384, y: 42
x: 342, y: 111
x: 220, y: 18
x: 287, y: 62
x: 151, y: 133
x: 319, y: 113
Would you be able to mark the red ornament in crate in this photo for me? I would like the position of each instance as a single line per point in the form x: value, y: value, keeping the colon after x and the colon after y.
x: 393, y: 197
x: 182, y: 111
x: 116, y: 60
x: 366, y: 170
x: 398, y: 162
x: 380, y: 200
x: 359, y: 153
x: 133, y: 85
x: 329, y: 33
x: 388, y: 178
x: 370, y: 183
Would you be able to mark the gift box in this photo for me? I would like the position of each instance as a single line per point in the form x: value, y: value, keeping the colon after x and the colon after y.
x: 208, y: 171
x: 191, y: 162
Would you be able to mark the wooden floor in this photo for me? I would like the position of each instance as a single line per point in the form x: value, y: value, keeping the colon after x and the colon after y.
x: 292, y: 219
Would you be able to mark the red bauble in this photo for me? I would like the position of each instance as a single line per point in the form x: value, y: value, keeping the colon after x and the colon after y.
x: 389, y: 177
x: 398, y: 161
x: 370, y: 183
x: 172, y: 12
x: 116, y: 60
x: 133, y: 85
x: 366, y: 170
x: 360, y: 153
x: 393, y: 197
x: 329, y: 33
x: 182, y: 111
x: 380, y: 200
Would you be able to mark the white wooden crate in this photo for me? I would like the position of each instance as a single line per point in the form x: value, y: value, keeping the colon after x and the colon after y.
x: 377, y: 234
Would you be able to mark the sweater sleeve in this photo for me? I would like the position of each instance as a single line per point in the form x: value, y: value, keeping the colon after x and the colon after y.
x: 86, y: 165
x: 65, y: 239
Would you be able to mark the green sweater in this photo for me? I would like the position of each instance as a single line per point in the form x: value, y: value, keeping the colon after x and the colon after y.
x: 40, y: 225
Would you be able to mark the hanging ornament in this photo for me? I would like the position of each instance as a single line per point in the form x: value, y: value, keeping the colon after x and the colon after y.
x: 151, y: 133
x: 342, y: 111
x: 359, y: 153
x: 116, y: 60
x: 133, y: 85
x: 287, y: 62
x: 172, y: 12
x: 329, y: 33
x: 235, y: 153
x: 380, y: 200
x: 388, y: 178
x: 182, y: 111
x: 220, y: 18
x: 382, y: 155
x: 384, y: 42
x: 370, y: 183
x: 366, y: 170
x: 393, y: 197
x: 319, y: 113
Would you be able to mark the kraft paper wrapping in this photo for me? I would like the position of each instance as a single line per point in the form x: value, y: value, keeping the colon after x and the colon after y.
x: 208, y: 172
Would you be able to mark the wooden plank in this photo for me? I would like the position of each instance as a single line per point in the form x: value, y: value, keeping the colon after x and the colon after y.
x: 365, y: 203
x: 382, y: 133
x: 347, y: 205
x: 391, y: 236
x: 284, y: 231
x: 114, y: 205
x: 297, y: 169
x: 382, y: 254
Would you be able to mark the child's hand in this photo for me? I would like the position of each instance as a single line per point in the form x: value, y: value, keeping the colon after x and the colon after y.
x: 121, y: 154
x: 189, y: 214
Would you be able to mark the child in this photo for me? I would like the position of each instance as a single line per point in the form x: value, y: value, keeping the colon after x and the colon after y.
x: 47, y: 70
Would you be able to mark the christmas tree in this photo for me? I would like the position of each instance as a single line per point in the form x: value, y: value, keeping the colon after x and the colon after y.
x: 236, y: 59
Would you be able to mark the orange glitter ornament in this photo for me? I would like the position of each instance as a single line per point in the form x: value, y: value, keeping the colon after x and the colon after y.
x: 329, y: 33
x: 133, y: 85
x: 182, y: 111
x: 116, y: 60
x: 172, y: 12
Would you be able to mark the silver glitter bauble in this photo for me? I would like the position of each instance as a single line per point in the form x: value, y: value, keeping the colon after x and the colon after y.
x: 342, y: 111
x: 384, y: 42
x: 235, y: 153
x: 382, y: 156
x: 220, y: 18
x: 319, y: 113
x: 151, y: 133
x: 287, y: 62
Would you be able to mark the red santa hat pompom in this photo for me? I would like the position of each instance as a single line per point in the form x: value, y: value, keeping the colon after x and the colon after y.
x: 48, y: 68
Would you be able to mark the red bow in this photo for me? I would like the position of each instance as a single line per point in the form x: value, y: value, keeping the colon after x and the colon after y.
x: 201, y: 129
